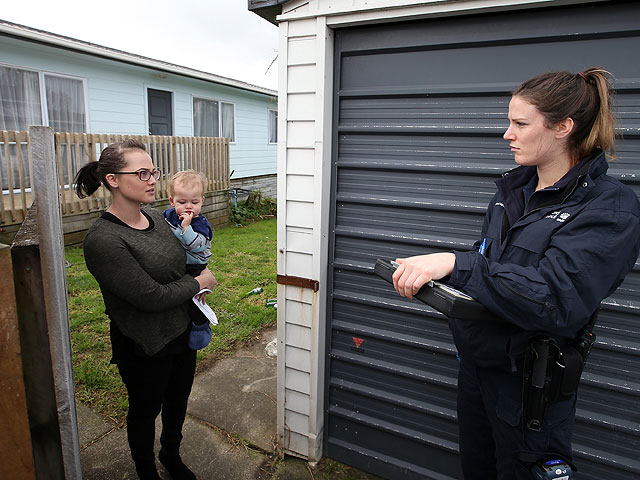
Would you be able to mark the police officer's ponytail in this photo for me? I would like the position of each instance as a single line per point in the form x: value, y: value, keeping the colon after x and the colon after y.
x: 585, y: 97
x: 93, y: 174
x: 602, y: 130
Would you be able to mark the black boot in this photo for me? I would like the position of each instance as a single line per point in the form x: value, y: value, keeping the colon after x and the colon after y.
x: 140, y: 437
x: 173, y: 463
x: 147, y: 470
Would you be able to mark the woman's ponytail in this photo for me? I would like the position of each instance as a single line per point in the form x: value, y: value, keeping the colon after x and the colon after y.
x: 87, y: 180
x: 602, y: 132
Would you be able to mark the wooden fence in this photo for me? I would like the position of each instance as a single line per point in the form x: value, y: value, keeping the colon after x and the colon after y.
x: 73, y: 150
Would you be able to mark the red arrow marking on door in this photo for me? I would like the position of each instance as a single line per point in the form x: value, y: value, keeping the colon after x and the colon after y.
x: 358, y: 341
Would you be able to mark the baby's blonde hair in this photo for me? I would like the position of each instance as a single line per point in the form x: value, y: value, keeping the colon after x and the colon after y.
x: 187, y: 177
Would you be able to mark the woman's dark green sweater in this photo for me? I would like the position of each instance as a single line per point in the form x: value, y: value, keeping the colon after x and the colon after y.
x: 142, y: 277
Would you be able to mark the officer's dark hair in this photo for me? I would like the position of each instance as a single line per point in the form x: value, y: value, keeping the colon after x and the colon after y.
x: 585, y: 97
x: 93, y: 174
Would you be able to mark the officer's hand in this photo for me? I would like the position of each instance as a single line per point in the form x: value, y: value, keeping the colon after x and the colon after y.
x: 414, y: 272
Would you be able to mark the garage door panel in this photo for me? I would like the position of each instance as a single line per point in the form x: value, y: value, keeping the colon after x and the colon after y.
x: 392, y: 322
x: 477, y: 154
x: 361, y: 253
x: 400, y: 353
x: 597, y: 438
x: 403, y: 389
x: 383, y: 222
x: 591, y: 467
x: 619, y: 325
x: 432, y: 187
x: 433, y: 112
x: 627, y: 293
x: 433, y: 458
x: 605, y: 403
x: 501, y: 69
x: 357, y: 255
x: 528, y: 26
x: 359, y: 284
x: 418, y: 420
x: 618, y: 364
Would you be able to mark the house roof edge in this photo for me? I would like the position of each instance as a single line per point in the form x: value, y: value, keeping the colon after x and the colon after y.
x: 267, y: 9
x: 60, y: 41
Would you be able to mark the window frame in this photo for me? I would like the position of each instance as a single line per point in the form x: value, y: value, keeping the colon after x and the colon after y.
x: 219, y: 102
x: 274, y: 110
x: 44, y: 112
x: 233, y: 105
x: 85, y: 97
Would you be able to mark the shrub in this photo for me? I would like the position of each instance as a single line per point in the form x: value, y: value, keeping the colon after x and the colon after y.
x: 253, y: 208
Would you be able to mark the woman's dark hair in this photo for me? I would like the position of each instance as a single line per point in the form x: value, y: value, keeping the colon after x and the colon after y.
x: 585, y: 97
x: 89, y: 177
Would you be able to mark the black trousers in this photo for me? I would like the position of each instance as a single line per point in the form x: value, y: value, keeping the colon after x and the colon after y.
x: 494, y: 441
x: 156, y: 385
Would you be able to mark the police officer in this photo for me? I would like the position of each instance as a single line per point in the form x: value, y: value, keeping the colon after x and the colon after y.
x: 559, y: 237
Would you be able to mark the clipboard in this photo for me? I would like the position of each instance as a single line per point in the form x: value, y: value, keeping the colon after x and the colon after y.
x: 447, y: 300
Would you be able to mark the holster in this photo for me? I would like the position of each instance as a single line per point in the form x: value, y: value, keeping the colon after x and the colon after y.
x: 565, y: 374
x: 552, y: 374
x: 537, y: 380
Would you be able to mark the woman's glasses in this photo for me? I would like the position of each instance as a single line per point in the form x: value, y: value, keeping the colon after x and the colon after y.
x: 143, y: 174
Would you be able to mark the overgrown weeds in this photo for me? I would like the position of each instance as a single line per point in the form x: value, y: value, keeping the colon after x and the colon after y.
x: 255, y: 207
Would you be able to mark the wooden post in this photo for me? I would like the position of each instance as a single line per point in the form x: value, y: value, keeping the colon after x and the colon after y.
x: 16, y: 456
x: 55, y: 294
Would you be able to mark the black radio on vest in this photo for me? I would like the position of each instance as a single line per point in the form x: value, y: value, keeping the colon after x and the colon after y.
x: 552, y: 470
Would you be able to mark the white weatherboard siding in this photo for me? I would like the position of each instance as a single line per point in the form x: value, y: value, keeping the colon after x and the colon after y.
x: 303, y: 169
x: 116, y: 96
x: 304, y: 181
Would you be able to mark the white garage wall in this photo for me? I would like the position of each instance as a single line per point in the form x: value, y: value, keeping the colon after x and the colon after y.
x: 303, y: 166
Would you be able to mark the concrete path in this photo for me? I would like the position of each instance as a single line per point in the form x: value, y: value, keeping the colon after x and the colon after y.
x: 229, y: 433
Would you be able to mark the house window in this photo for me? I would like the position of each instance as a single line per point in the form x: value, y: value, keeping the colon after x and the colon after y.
x: 212, y: 118
x: 65, y: 103
x: 28, y: 98
x: 227, y: 121
x: 21, y: 101
x: 273, y: 126
x: 20, y: 104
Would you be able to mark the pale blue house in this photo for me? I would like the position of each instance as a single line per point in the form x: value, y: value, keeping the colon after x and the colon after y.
x: 76, y: 86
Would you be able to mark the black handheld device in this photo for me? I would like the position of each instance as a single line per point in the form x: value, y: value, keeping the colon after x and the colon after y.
x: 447, y: 300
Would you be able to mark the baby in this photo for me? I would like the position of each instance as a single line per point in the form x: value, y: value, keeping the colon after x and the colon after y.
x: 186, y: 196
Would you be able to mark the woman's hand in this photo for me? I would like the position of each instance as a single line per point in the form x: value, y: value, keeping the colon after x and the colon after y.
x: 206, y: 280
x: 414, y: 272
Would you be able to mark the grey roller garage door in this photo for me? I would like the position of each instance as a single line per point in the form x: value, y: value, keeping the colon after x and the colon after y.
x: 419, y: 115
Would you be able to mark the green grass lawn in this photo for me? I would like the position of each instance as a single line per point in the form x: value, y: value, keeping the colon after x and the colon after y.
x: 242, y: 258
